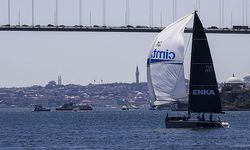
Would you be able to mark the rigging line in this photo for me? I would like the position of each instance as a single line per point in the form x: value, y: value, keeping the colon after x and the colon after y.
x: 183, y: 63
x: 187, y: 46
x: 183, y: 59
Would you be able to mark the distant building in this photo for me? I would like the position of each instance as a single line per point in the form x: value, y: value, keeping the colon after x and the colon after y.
x: 246, y: 80
x: 234, y: 82
x: 51, y: 84
x: 137, y: 74
x: 232, y: 91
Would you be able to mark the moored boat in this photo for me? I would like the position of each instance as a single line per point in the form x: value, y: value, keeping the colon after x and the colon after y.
x: 40, y: 108
x: 124, y: 107
x: 82, y: 107
x: 73, y: 107
x: 66, y: 107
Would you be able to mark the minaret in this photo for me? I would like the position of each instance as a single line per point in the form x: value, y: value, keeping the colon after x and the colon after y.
x: 137, y: 75
x: 59, y: 80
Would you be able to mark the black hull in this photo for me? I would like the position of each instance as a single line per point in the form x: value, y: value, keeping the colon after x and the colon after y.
x: 40, y: 108
x: 46, y: 110
x: 177, y: 122
x: 83, y: 108
x: 63, y: 109
x: 86, y: 109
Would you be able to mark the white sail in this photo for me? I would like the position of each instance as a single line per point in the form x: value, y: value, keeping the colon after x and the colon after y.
x: 165, y: 72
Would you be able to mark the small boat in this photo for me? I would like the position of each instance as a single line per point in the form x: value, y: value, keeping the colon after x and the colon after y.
x: 125, y: 107
x: 83, y: 107
x: 66, y: 107
x: 166, y: 75
x: 71, y: 106
x: 134, y: 107
x: 40, y: 108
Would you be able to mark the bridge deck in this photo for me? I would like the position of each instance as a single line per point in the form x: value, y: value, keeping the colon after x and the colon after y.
x: 114, y: 29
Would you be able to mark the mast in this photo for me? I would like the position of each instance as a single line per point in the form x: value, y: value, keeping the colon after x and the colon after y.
x: 203, y: 89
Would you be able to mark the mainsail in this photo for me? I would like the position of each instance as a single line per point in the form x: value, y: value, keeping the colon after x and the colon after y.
x: 203, y: 91
x: 165, y: 71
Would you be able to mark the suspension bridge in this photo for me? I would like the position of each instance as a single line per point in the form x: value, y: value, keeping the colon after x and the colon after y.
x: 221, y: 29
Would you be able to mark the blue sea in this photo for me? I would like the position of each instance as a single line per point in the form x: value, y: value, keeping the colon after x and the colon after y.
x: 106, y: 128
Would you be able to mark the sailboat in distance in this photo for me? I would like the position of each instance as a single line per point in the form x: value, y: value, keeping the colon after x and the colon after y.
x: 203, y: 89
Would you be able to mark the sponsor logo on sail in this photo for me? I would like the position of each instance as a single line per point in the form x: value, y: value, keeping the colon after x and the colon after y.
x: 163, y: 55
x: 203, y: 92
x: 209, y: 68
x: 158, y: 44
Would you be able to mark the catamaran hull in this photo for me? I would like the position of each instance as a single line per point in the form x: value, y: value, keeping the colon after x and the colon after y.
x: 195, y: 124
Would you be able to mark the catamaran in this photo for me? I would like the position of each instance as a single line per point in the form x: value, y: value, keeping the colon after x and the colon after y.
x: 166, y: 80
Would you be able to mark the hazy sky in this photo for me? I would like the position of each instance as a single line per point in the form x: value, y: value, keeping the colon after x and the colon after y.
x: 29, y: 58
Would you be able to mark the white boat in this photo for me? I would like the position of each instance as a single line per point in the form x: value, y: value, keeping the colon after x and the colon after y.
x: 66, y: 107
x: 166, y: 79
x: 80, y: 107
x: 133, y: 107
x: 124, y: 107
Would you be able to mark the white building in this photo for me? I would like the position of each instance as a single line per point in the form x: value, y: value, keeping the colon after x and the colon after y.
x: 246, y: 80
x: 234, y: 82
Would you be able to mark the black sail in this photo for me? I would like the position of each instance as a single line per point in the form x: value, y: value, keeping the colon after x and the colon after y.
x: 203, y: 91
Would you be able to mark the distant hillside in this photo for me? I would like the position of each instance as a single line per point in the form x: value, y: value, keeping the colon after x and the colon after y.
x: 114, y: 94
x: 236, y: 100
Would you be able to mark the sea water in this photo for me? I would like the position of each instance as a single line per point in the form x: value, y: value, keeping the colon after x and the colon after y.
x: 105, y: 128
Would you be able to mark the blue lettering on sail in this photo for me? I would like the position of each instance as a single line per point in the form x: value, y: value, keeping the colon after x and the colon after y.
x: 162, y: 55
x: 203, y: 92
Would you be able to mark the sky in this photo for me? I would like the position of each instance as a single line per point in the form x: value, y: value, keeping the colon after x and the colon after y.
x: 35, y: 58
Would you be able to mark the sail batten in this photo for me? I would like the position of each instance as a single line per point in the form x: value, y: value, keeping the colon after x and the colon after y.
x: 201, y: 63
x: 205, y: 85
x: 200, y: 39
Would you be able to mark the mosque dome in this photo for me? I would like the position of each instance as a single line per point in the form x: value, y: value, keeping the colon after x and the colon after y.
x: 234, y: 80
x: 139, y: 93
